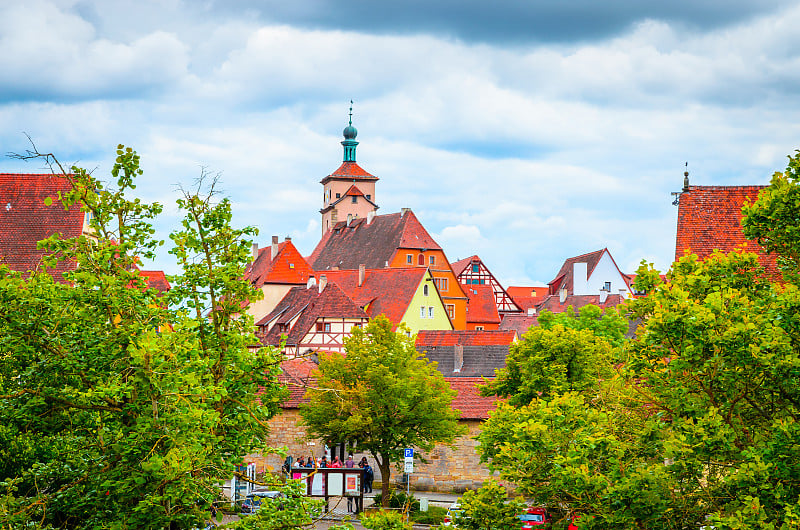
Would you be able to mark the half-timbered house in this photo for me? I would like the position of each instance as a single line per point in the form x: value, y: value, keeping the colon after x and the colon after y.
x: 472, y: 271
x: 310, y: 319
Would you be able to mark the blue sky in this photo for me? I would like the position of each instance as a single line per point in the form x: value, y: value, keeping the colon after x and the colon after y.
x: 522, y: 131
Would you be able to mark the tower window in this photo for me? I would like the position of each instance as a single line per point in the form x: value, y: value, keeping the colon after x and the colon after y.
x: 369, y: 197
x: 355, y: 199
x: 338, y: 195
x: 409, y: 259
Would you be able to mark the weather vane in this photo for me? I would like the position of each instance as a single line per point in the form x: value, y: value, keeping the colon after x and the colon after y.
x: 351, y: 112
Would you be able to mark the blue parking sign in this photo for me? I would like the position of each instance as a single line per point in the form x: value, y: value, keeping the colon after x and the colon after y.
x: 409, y: 452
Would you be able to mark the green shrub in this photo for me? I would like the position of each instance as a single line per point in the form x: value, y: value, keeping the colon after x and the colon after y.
x: 434, y: 516
x: 384, y: 521
x: 398, y: 500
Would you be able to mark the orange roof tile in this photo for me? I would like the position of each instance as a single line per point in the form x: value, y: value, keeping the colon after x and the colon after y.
x: 287, y: 267
x: 349, y: 170
x: 25, y: 220
x: 460, y: 265
x: 468, y: 400
x: 481, y: 307
x: 156, y: 280
x: 709, y: 218
x: 431, y: 338
x: 384, y: 291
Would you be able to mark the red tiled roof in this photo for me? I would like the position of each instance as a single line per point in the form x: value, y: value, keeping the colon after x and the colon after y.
x: 349, y: 170
x: 564, y: 278
x: 384, y: 291
x: 373, y: 244
x: 307, y: 305
x: 435, y: 338
x: 527, y: 302
x: 709, y: 218
x: 468, y: 400
x: 156, y: 280
x: 287, y: 267
x: 25, y: 219
x: 514, y: 292
x: 518, y: 322
x: 481, y: 306
x: 460, y: 265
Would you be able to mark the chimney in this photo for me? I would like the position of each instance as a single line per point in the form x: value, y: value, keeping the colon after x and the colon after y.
x: 580, y: 276
x: 458, y: 358
x: 255, y: 251
x: 404, y: 211
x: 288, y: 239
x: 361, y: 274
x: 312, y: 282
x: 370, y: 216
x: 323, y: 281
x: 603, y: 296
x: 274, y: 246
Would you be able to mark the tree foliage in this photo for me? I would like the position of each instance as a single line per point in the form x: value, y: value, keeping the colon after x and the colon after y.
x: 772, y: 220
x: 120, y: 407
x: 489, y: 508
x: 383, y: 395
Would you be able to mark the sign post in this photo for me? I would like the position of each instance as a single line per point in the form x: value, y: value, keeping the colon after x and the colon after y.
x: 408, y: 462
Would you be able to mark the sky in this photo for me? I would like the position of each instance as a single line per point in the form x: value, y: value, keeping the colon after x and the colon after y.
x: 525, y: 132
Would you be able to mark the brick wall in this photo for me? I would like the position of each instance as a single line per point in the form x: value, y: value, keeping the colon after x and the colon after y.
x: 448, y: 469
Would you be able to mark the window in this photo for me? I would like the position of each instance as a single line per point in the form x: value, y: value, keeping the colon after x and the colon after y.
x: 338, y: 195
x: 421, y: 259
x: 324, y: 327
x: 369, y: 197
x: 451, y: 310
x: 425, y: 290
x: 478, y: 328
x: 319, y: 326
x: 432, y: 260
x: 607, y: 286
x: 441, y: 284
x: 476, y: 267
x: 355, y: 199
x: 430, y: 312
x: 327, y: 327
x: 409, y: 259
x: 422, y: 312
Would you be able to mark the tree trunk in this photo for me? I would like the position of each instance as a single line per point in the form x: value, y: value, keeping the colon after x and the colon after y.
x: 386, y: 492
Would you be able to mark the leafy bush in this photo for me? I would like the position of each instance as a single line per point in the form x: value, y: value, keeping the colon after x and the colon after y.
x: 398, y: 499
x: 434, y: 516
x: 385, y: 521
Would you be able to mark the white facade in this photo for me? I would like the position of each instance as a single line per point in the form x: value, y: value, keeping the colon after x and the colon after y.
x: 605, y: 279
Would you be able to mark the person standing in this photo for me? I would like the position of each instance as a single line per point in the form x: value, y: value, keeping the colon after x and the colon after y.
x: 369, y: 477
x: 350, y: 464
x: 335, y: 462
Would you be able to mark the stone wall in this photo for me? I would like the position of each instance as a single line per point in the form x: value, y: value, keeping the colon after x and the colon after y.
x: 448, y: 469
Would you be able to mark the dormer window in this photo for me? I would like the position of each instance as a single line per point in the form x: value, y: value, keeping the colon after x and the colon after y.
x: 607, y: 286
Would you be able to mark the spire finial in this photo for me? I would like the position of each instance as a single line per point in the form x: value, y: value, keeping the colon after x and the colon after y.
x: 351, y: 113
x: 686, y: 177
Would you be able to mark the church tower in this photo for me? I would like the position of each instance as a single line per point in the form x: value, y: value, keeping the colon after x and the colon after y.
x: 348, y: 192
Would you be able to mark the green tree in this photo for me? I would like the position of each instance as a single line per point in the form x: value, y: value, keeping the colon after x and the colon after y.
x: 489, y: 508
x: 551, y: 360
x: 122, y: 408
x: 383, y: 395
x: 610, y: 324
x: 772, y: 220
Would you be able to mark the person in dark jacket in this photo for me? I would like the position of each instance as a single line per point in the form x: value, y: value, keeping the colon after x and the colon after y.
x: 369, y: 476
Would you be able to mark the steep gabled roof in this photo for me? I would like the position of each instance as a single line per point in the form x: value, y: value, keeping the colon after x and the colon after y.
x: 481, y: 307
x: 288, y: 267
x: 25, y: 220
x: 373, y: 244
x: 709, y: 218
x: 384, y: 291
x: 307, y: 305
x: 564, y: 278
x: 460, y: 265
x: 349, y: 170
